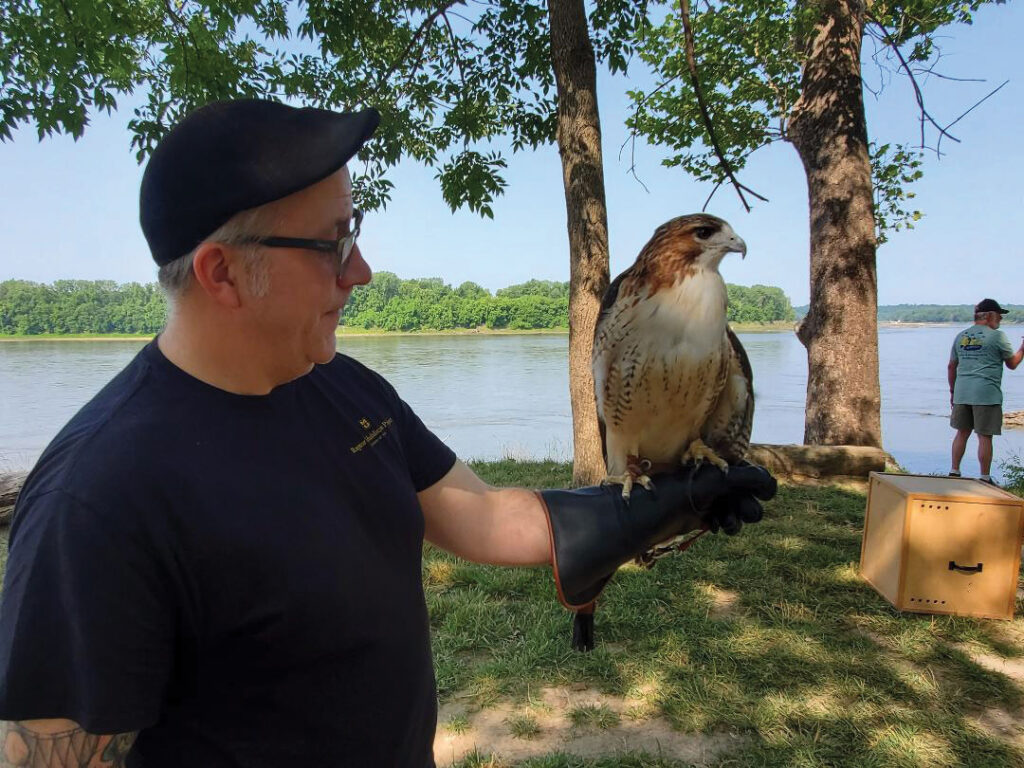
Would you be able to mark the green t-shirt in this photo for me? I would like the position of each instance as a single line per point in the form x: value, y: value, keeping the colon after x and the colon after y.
x: 979, y: 353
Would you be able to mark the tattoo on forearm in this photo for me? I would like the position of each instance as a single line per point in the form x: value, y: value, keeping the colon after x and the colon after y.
x: 25, y: 747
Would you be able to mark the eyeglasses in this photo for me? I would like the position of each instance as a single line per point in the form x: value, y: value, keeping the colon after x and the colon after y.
x: 341, y: 248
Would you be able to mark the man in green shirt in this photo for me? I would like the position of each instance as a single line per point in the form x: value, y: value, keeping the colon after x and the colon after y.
x: 975, y: 377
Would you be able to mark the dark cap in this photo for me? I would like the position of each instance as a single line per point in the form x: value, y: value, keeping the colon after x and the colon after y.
x: 989, y: 305
x: 230, y: 156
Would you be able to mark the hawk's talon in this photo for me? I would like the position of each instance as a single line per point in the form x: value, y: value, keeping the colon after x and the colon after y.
x: 698, y: 452
x: 627, y: 480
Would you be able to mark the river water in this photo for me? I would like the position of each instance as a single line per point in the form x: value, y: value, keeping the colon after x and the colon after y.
x: 495, y: 396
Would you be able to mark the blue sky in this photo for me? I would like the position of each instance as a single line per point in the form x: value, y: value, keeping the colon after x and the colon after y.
x: 69, y: 209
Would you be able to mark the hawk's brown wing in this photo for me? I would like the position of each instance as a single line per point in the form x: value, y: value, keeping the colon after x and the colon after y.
x: 603, y: 316
x: 727, y: 430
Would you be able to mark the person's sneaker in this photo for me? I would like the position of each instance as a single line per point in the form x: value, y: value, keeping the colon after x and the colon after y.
x: 988, y: 481
x: 954, y: 474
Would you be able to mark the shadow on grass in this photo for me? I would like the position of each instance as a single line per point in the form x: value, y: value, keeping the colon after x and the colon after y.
x: 809, y: 662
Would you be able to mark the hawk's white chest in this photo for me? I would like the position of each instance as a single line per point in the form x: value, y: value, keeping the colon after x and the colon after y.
x: 658, y: 370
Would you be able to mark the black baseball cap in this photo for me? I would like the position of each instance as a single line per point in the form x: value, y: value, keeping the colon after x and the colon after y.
x: 229, y: 156
x: 989, y: 305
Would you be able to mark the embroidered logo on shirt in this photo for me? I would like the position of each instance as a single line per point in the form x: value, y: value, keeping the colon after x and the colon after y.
x: 374, y: 435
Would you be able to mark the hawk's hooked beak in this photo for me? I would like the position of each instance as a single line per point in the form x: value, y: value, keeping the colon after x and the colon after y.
x: 738, y: 246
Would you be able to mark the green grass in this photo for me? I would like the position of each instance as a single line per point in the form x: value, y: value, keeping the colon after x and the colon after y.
x: 523, y: 726
x: 809, y: 663
x: 558, y: 760
x: 593, y: 716
x: 457, y: 724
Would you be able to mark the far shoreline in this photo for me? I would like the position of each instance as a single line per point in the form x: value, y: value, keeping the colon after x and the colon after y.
x: 345, y: 332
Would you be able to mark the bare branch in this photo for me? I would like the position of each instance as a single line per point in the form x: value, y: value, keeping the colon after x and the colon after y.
x: 691, y: 61
x: 632, y: 162
x: 713, y: 190
x: 722, y: 181
x: 918, y: 95
x: 460, y: 16
x: 930, y: 71
x: 978, y: 103
x: 632, y: 138
x: 643, y: 98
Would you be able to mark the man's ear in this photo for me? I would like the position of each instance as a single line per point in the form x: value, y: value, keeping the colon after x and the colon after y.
x: 218, y: 274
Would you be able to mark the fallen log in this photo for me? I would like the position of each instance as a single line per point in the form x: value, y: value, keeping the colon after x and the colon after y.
x: 1014, y: 420
x: 819, y: 461
x: 10, y: 486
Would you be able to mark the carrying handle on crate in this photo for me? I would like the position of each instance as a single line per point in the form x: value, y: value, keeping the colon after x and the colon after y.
x: 965, y: 568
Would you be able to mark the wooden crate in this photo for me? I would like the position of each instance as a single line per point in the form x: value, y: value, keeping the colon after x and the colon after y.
x: 942, y: 544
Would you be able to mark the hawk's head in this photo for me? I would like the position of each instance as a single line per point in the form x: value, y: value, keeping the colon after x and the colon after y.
x: 691, y: 242
x: 697, y: 240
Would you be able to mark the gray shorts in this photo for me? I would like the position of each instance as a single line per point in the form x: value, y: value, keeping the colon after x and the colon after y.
x: 983, y: 419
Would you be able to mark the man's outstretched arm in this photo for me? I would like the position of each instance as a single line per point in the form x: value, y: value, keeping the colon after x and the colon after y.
x: 512, y: 526
x: 60, y: 744
x: 469, y: 518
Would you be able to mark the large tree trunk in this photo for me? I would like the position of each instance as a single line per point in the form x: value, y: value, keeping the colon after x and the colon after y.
x: 579, y: 144
x: 840, y: 331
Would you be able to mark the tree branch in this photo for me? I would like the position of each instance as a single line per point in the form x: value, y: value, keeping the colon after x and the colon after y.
x: 455, y: 49
x: 691, y: 61
x: 632, y: 159
x: 181, y: 22
x: 722, y: 181
x: 421, y: 31
x: 978, y: 103
x: 713, y: 190
x: 918, y: 95
x: 631, y: 139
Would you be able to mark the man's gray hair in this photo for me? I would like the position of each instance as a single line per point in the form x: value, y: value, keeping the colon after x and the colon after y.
x: 176, y: 276
x: 981, y: 315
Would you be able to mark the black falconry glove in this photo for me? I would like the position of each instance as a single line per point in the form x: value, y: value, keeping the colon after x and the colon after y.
x: 594, y: 530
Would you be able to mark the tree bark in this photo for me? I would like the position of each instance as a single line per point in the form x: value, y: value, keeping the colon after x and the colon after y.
x: 829, y: 130
x: 579, y: 145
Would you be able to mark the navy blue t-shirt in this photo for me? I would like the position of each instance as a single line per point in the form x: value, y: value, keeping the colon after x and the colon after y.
x: 237, y: 577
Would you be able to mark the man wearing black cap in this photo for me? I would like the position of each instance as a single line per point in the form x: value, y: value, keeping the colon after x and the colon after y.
x: 217, y: 561
x: 975, y: 375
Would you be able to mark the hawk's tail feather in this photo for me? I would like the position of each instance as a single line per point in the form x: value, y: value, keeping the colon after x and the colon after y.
x: 583, y: 629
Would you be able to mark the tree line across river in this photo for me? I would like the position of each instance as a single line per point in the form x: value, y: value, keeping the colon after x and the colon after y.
x: 933, y: 313
x: 389, y: 303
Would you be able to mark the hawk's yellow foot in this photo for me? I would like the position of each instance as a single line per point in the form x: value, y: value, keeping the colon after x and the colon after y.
x: 698, y: 453
x: 627, y: 479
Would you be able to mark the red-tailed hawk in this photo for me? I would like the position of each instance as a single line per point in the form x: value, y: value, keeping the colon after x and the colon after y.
x: 672, y: 381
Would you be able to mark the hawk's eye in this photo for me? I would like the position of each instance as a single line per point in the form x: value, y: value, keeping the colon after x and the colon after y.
x: 703, y: 233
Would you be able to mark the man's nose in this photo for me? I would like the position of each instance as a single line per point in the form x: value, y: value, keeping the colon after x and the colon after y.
x: 357, y: 271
